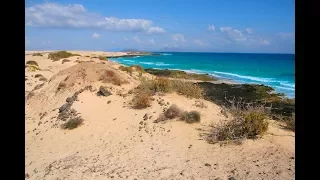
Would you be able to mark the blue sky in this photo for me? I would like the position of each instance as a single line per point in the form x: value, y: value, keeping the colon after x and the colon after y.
x: 166, y: 25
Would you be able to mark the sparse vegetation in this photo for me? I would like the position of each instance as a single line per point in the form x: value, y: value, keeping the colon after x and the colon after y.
x: 33, y: 63
x: 65, y: 60
x: 248, y: 121
x: 37, y: 54
x: 191, y: 117
x: 72, y: 123
x: 173, y: 112
x: 180, y: 74
x: 188, y: 89
x: 132, y: 68
x: 32, y: 68
x: 111, y: 77
x: 291, y: 122
x: 102, y: 58
x: 43, y: 79
x: 60, y: 54
x: 38, y: 75
x: 141, y: 100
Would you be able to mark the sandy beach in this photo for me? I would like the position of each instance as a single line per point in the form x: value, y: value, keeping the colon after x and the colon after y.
x: 119, y: 142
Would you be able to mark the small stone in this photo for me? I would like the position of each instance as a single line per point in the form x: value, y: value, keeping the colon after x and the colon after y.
x: 291, y: 157
x: 63, y: 107
x: 114, y: 118
x: 103, y: 91
x: 207, y: 164
x: 69, y: 99
x: 141, y: 140
x: 141, y: 122
x: 108, y: 102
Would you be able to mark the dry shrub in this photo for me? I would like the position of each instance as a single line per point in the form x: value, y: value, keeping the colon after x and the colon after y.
x: 160, y: 119
x: 132, y: 68
x: 187, y: 89
x: 65, y: 60
x: 249, y: 121
x: 38, y: 75
x: 37, y: 54
x: 102, y: 58
x: 111, y: 77
x: 125, y: 68
x: 72, y: 123
x: 291, y: 122
x: 43, y: 79
x: 161, y: 84
x: 34, y: 63
x: 141, y: 100
x: 173, y: 112
x: 191, y: 117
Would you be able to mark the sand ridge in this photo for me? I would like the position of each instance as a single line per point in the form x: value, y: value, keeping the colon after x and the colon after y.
x: 115, y: 142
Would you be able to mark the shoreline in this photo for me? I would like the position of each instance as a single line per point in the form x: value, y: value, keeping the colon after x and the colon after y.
x: 218, y: 81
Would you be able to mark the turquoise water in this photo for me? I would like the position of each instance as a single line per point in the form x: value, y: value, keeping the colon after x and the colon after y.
x: 275, y: 70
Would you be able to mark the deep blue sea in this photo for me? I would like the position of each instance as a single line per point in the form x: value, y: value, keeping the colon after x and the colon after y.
x: 275, y: 70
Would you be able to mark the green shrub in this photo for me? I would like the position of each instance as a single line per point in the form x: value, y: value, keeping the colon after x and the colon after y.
x: 32, y: 63
x: 60, y: 54
x: 191, y: 117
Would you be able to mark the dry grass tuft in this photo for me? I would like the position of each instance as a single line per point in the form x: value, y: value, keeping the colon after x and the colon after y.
x: 102, y: 58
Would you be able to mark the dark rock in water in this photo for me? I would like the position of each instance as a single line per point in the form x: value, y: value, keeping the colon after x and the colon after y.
x: 64, y: 107
x: 103, y: 91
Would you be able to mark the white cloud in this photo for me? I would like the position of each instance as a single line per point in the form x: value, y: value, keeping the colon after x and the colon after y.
x: 178, y: 37
x: 95, y: 35
x: 152, y: 41
x: 135, y: 38
x: 225, y: 29
x: 125, y: 38
x: 233, y: 34
x: 156, y: 30
x: 248, y: 30
x: 265, y: 42
x: 77, y: 16
x: 211, y: 27
x: 199, y: 42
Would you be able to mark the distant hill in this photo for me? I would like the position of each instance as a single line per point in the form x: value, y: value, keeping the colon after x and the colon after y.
x: 130, y: 50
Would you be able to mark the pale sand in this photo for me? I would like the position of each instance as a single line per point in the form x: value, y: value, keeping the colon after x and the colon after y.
x: 110, y: 146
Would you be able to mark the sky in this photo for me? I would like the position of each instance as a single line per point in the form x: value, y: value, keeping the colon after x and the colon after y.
x: 244, y: 26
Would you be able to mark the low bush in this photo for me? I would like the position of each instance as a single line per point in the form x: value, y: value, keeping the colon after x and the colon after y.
x: 191, y: 117
x: 60, y: 54
x: 37, y: 54
x: 72, y: 123
x: 34, y: 63
x: 173, y: 112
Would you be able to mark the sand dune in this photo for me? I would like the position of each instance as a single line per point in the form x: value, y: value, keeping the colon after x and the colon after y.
x: 116, y: 142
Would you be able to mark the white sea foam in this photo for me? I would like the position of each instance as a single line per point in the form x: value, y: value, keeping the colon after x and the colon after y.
x: 286, y: 88
x: 166, y: 54
x: 148, y: 63
x: 287, y: 84
x: 128, y: 60
x: 247, y: 77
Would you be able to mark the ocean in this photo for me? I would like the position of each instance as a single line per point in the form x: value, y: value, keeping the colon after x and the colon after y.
x: 274, y: 70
